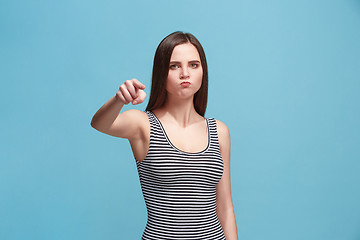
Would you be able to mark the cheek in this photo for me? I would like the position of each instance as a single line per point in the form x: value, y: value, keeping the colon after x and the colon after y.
x: 199, y: 76
x: 198, y: 82
x: 171, y: 74
x: 171, y: 79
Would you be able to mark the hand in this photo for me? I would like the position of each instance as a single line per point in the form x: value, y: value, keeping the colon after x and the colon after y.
x: 131, y: 91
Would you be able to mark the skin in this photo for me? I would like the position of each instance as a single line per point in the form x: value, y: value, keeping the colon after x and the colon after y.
x: 185, y: 128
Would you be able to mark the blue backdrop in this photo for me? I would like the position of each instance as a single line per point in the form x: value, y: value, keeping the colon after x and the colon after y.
x: 284, y: 76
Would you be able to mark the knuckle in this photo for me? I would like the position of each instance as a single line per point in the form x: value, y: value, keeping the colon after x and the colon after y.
x: 121, y: 97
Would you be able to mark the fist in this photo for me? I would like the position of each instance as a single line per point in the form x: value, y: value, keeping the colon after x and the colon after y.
x: 131, y: 91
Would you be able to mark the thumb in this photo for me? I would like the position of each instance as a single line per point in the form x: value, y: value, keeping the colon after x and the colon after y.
x: 140, y: 98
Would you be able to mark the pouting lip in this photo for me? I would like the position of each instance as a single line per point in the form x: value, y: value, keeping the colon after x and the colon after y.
x: 185, y: 82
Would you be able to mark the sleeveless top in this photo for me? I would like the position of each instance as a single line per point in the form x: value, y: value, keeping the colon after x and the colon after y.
x: 179, y: 188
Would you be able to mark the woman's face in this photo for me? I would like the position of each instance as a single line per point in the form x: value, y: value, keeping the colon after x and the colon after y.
x: 185, y: 71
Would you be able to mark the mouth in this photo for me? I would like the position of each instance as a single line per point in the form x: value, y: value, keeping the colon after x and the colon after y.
x: 185, y: 84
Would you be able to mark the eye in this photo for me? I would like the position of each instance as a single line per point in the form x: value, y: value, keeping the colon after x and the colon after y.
x: 194, y: 65
x: 174, y: 66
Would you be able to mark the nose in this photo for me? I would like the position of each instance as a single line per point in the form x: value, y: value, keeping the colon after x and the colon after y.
x: 184, y: 73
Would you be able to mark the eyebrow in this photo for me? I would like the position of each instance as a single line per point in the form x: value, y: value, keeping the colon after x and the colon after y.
x: 192, y: 61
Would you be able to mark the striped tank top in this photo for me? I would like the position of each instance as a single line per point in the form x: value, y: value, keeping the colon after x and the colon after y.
x: 179, y: 188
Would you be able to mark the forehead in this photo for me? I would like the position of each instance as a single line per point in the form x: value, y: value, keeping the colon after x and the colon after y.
x: 185, y: 51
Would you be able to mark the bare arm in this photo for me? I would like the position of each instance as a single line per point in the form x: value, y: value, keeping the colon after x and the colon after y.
x: 126, y: 124
x: 224, y: 208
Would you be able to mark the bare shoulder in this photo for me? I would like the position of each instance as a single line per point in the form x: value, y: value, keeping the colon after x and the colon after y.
x: 223, y: 135
x: 129, y: 124
x: 134, y: 118
x: 134, y: 114
x: 223, y: 130
x: 224, y: 139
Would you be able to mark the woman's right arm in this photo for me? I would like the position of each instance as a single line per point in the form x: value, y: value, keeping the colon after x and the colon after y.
x: 127, y: 124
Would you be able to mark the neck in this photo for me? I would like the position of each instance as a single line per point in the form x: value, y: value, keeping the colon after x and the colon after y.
x: 180, y: 111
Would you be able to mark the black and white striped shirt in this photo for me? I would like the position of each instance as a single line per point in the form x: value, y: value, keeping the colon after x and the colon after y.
x: 179, y: 188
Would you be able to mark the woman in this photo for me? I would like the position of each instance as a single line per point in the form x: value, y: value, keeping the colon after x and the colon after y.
x: 183, y: 159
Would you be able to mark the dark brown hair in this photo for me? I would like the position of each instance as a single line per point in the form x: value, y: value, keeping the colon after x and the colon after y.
x: 161, y: 69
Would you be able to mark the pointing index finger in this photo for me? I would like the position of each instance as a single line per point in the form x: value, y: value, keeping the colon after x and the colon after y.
x: 138, y: 84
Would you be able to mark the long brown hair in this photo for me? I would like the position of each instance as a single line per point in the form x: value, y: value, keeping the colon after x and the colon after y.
x: 161, y: 69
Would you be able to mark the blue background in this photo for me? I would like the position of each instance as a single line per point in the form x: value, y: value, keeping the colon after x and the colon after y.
x: 284, y: 76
